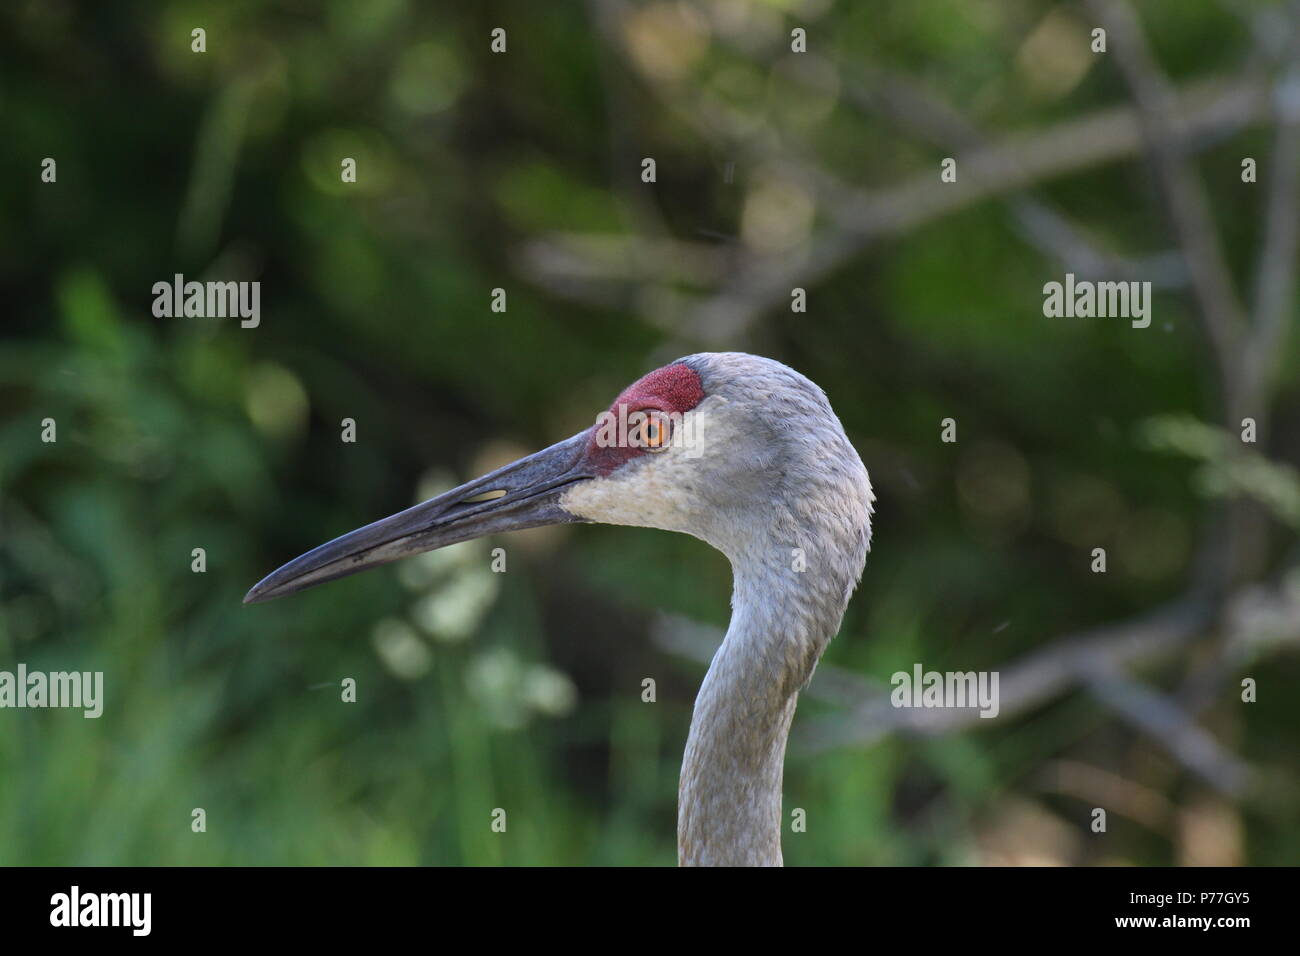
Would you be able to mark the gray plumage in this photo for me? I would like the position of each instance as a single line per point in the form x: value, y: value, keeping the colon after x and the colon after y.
x: 767, y: 477
x: 776, y: 479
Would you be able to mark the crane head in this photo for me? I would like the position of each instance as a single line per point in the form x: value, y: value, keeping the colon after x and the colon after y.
x: 738, y: 450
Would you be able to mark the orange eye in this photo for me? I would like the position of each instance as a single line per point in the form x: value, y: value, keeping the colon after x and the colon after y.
x: 654, y: 431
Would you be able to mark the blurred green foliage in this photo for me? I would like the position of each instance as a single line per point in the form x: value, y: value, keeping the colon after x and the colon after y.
x: 522, y: 691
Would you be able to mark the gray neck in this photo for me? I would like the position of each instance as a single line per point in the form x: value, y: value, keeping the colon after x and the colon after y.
x: 729, y: 797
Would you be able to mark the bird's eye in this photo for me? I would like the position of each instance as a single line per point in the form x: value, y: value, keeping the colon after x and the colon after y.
x: 653, y: 431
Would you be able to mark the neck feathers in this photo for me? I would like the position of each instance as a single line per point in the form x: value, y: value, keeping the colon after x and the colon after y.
x: 785, y: 609
x: 790, y: 504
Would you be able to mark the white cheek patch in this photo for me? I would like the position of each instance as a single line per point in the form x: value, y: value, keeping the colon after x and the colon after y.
x: 650, y: 491
x: 638, y: 496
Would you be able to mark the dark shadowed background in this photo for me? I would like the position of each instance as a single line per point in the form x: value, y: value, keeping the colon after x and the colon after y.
x: 522, y: 171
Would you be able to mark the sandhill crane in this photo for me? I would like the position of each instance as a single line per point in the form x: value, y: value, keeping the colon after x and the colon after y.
x: 741, y: 452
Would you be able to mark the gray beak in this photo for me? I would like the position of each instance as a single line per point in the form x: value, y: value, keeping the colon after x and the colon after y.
x: 528, y: 493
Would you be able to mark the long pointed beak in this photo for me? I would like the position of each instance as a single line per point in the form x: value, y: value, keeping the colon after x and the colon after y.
x: 526, y: 493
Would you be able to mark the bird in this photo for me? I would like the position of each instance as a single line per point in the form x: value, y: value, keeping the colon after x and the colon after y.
x: 741, y: 452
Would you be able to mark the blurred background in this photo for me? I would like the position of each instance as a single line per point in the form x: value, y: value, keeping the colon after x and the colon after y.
x: 522, y: 171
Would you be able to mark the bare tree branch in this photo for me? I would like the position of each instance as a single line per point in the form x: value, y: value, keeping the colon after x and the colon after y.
x: 1204, y: 111
x: 1275, y: 276
x: 1009, y: 165
x: 1101, y: 788
x: 1258, y: 620
x: 1162, y: 719
x: 1189, y: 208
x: 922, y: 113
